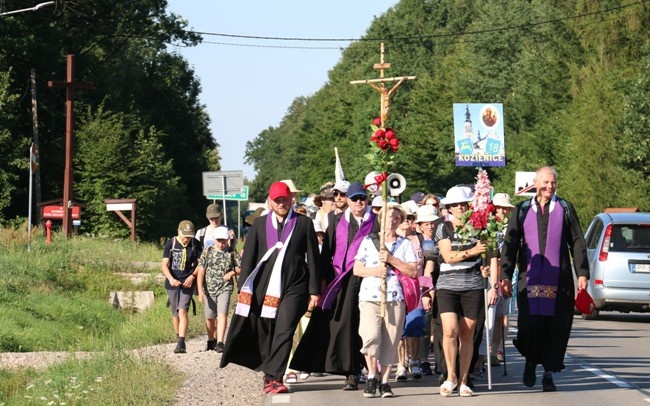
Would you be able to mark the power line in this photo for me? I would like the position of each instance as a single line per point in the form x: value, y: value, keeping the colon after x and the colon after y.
x: 420, y: 37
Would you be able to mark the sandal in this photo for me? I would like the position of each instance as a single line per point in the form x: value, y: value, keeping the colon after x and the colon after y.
x: 291, y: 378
x: 447, y: 388
x: 465, y: 391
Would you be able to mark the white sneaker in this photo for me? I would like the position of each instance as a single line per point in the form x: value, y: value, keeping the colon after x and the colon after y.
x: 401, y: 375
x: 304, y: 375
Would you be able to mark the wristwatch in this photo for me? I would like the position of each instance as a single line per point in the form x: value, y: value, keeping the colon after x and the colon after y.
x: 495, y: 286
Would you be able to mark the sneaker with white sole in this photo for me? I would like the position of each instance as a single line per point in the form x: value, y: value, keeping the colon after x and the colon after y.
x: 416, y: 371
x: 401, y: 375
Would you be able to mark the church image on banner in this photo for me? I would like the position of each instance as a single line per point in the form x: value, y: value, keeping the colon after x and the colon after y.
x: 479, y: 135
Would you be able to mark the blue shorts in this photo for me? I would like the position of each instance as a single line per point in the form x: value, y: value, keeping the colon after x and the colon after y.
x: 414, y: 325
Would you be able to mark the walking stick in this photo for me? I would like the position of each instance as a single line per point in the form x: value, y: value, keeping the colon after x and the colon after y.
x: 503, y: 335
x: 487, y: 334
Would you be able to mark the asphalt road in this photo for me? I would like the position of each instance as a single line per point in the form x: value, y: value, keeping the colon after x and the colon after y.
x: 608, y: 363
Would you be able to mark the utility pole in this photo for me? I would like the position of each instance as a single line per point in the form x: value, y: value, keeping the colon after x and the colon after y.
x: 37, y: 172
x: 70, y: 85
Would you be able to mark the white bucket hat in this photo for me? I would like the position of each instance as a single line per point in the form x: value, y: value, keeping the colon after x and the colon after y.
x: 426, y: 213
x: 457, y: 194
x: 502, y: 200
x: 377, y: 201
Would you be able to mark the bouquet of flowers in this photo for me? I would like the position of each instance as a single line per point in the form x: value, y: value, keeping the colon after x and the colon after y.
x: 383, y: 144
x: 480, y: 221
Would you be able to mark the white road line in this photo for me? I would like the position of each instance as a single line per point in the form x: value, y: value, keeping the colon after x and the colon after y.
x: 602, y: 374
x: 281, y: 398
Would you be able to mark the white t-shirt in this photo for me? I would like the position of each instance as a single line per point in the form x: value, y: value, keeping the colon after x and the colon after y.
x: 370, y: 290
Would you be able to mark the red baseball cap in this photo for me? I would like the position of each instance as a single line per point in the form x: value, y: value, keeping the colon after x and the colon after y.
x: 279, y: 189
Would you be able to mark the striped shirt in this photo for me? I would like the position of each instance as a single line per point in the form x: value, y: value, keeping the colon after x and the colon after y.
x: 459, y: 276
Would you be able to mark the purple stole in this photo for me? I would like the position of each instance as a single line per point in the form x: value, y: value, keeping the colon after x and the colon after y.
x: 272, y: 232
x: 543, y: 270
x: 343, y: 260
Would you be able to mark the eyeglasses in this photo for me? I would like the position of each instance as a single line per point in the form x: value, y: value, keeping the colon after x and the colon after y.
x: 356, y: 198
x: 339, y: 194
x: 457, y: 204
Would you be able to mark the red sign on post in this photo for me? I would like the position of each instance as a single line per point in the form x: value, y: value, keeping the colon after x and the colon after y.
x: 56, y: 212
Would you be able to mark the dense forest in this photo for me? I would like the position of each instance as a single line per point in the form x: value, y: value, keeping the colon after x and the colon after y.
x: 573, y: 77
x: 140, y: 131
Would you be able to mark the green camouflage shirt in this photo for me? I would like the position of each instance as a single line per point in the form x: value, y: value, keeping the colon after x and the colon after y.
x: 217, y: 263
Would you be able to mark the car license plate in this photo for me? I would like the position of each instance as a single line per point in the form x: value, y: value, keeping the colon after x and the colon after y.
x: 642, y: 268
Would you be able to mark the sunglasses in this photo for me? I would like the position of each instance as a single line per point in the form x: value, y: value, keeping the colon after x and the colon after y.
x: 456, y: 204
x: 356, y: 198
x: 339, y: 194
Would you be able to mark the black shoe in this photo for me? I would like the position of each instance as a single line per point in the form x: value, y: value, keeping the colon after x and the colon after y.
x: 371, y: 388
x: 210, y: 345
x: 529, y: 374
x: 180, y: 348
x: 352, y: 383
x: 547, y: 382
x: 426, y: 368
x: 384, y: 391
x: 442, y: 378
x: 219, y: 347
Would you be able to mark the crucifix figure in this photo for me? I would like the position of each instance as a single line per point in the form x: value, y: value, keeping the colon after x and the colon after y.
x: 386, y: 93
x: 70, y: 85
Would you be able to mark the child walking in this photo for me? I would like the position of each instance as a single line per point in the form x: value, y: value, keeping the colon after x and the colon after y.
x: 217, y: 271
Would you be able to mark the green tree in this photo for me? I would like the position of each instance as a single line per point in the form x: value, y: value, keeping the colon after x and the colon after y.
x: 118, y: 159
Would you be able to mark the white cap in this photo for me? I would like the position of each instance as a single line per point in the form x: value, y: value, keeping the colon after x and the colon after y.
x: 377, y: 201
x: 221, y: 233
x: 342, y: 186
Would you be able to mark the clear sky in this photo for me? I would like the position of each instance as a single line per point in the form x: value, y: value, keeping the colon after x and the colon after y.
x: 247, y: 89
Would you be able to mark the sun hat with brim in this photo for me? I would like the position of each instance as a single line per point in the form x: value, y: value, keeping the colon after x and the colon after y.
x: 502, y: 200
x: 410, y: 207
x: 457, y: 194
x: 221, y: 233
x: 251, y: 217
x: 426, y: 213
x: 186, y: 228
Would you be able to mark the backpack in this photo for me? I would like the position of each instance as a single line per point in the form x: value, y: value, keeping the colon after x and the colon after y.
x: 410, y: 286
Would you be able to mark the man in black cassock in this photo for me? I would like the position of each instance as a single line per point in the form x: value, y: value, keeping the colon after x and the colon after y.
x: 279, y: 282
x: 331, y: 342
x: 540, y: 241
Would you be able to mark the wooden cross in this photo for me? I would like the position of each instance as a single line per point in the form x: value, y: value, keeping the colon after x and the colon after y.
x: 386, y: 94
x: 70, y: 85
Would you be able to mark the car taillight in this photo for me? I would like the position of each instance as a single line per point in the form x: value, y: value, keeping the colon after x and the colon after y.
x: 604, y: 248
